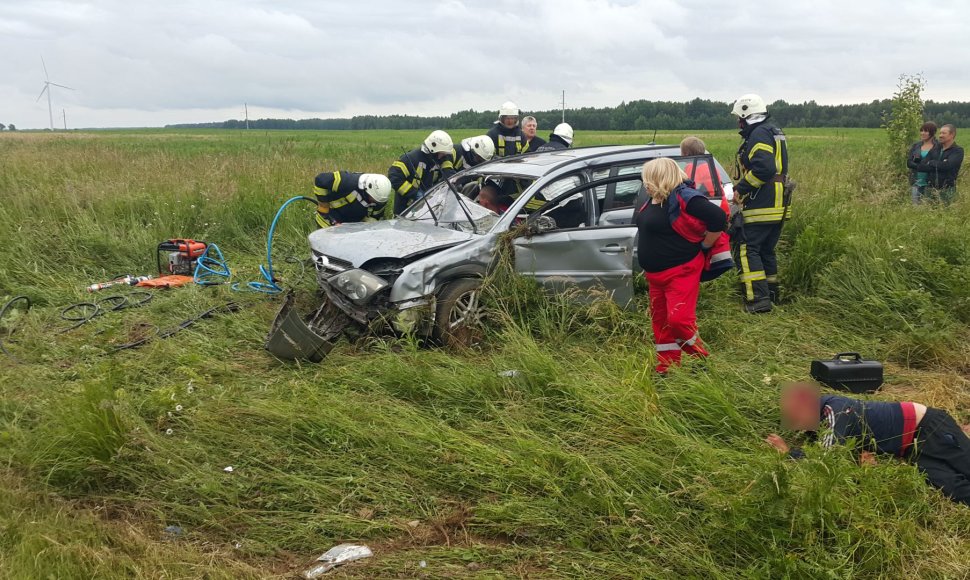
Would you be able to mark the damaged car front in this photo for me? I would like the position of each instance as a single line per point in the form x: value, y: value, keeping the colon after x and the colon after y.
x: 380, y: 274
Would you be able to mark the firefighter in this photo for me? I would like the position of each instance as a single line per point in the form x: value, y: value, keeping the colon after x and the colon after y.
x: 345, y: 197
x: 763, y: 194
x: 417, y: 170
x: 506, y: 134
x: 469, y: 153
x: 560, y: 138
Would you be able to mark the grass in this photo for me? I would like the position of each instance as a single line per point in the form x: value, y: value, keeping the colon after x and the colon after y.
x: 584, y: 465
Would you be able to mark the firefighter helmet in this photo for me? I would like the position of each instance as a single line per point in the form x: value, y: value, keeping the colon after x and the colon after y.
x: 481, y: 145
x: 565, y: 132
x: 748, y: 105
x: 375, y: 185
x: 508, y: 109
x: 438, y: 142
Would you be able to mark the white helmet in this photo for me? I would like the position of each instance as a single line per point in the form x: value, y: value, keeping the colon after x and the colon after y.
x: 438, y: 142
x: 375, y: 185
x: 481, y: 145
x: 565, y: 131
x: 508, y: 109
x: 748, y: 105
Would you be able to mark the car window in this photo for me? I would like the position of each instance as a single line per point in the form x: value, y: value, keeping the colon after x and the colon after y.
x: 702, y: 171
x: 625, y: 194
x: 569, y: 212
x: 600, y: 191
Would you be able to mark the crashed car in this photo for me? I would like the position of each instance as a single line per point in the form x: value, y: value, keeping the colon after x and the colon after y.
x: 421, y: 274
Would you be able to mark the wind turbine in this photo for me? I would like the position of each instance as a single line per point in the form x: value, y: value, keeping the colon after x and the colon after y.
x: 47, y: 89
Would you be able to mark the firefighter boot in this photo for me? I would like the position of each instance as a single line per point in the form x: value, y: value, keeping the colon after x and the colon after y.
x: 760, y: 306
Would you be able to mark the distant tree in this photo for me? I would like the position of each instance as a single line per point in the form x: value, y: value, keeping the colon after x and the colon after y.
x: 11, y: 127
x: 903, y: 121
x: 2, y: 126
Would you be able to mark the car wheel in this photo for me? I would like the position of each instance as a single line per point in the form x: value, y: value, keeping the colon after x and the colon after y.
x: 459, y: 314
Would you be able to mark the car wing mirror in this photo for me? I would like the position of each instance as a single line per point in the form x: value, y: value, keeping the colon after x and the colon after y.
x: 542, y: 224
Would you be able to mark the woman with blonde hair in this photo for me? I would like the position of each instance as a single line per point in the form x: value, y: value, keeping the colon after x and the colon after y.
x: 677, y: 228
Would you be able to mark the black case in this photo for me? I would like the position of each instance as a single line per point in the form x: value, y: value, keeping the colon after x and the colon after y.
x: 848, y: 372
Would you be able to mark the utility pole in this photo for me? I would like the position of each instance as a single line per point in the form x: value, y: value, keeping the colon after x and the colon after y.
x: 246, y: 107
x: 64, y: 114
x: 563, y: 105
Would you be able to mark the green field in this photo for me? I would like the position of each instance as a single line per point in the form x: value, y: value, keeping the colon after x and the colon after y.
x: 585, y: 465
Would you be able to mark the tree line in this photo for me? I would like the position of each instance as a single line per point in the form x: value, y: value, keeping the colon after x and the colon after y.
x: 639, y: 115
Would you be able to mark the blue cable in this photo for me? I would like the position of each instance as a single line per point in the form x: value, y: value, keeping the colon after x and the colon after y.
x: 211, y: 270
x: 269, y: 285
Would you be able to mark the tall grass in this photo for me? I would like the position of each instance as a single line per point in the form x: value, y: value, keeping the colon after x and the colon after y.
x: 580, y: 465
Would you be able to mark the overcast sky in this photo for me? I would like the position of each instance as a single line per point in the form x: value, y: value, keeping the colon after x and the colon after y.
x: 141, y: 63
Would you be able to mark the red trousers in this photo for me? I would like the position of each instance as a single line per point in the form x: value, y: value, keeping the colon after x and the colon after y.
x: 673, y: 312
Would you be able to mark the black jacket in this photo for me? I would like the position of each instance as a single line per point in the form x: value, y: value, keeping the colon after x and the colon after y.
x: 507, y: 142
x: 556, y: 143
x: 460, y: 160
x: 762, y: 164
x: 942, y: 166
x: 533, y: 145
x: 340, y: 199
x: 415, y: 171
x: 913, y: 159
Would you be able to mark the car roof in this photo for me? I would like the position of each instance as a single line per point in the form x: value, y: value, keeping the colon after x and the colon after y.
x: 541, y: 163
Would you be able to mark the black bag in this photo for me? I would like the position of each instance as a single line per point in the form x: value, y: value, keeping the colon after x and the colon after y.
x: 848, y: 372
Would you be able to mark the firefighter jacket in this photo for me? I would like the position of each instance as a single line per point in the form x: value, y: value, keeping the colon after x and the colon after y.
x: 508, y: 142
x: 416, y: 171
x: 459, y: 160
x: 762, y: 166
x: 339, y: 199
x: 556, y: 143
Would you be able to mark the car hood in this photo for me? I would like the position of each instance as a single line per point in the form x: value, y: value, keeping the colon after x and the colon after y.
x: 359, y: 242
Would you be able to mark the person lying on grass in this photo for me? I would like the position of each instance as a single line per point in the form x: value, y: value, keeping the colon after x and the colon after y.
x: 930, y: 438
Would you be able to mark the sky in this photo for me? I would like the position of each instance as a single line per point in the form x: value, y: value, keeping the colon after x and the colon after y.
x: 151, y: 63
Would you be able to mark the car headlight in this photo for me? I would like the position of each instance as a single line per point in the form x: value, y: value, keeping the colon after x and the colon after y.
x: 358, y: 285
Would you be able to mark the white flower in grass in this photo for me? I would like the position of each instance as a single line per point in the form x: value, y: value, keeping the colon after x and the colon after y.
x: 169, y: 431
x: 767, y: 379
x: 178, y: 408
x: 903, y: 260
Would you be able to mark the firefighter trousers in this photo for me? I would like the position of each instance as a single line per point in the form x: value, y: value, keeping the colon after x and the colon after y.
x: 754, y: 253
x: 943, y: 455
x: 673, y: 312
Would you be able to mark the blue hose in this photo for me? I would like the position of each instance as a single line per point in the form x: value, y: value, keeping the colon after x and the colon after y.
x: 269, y: 283
x: 211, y: 268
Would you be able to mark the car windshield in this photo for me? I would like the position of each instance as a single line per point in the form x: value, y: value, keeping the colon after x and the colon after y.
x: 453, y: 206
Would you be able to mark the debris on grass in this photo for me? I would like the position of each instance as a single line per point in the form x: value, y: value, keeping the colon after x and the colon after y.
x: 337, y: 556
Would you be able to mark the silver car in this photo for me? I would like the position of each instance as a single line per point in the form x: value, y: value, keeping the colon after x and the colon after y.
x: 421, y: 274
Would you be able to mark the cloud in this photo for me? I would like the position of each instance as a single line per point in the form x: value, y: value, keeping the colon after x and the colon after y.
x: 140, y: 63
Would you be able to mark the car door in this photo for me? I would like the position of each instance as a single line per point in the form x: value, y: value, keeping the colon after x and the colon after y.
x: 576, y: 252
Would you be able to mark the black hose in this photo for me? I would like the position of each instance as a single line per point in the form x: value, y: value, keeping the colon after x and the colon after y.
x: 83, y: 312
x: 3, y: 311
x: 228, y: 307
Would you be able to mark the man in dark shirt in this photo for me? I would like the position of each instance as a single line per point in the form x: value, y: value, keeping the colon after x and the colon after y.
x: 942, y: 165
x: 929, y: 437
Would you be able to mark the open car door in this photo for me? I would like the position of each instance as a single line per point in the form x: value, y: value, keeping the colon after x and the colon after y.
x: 563, y: 247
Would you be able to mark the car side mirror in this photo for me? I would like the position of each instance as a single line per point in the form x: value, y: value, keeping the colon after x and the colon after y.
x: 542, y: 224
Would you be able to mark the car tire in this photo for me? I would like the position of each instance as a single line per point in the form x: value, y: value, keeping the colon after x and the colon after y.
x: 459, y: 314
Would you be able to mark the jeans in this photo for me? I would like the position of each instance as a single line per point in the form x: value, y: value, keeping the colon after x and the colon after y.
x: 916, y: 192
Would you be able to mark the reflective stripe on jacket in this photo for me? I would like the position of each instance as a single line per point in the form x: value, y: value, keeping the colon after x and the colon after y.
x: 763, y: 164
x: 507, y: 142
